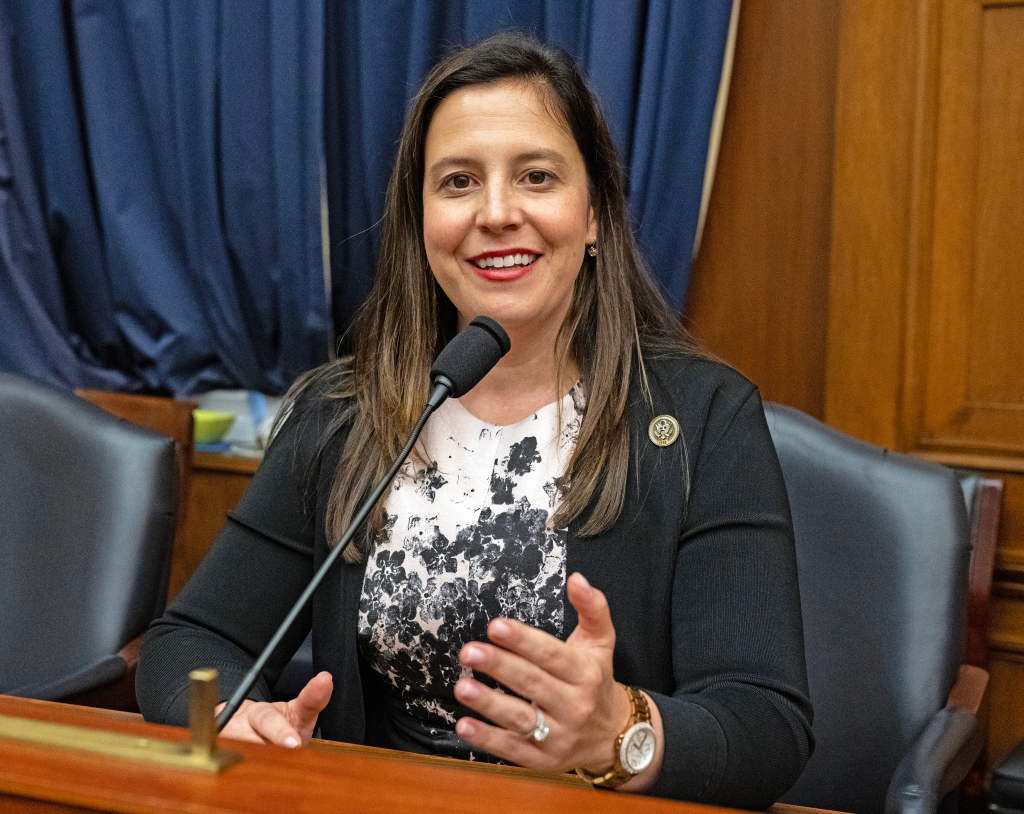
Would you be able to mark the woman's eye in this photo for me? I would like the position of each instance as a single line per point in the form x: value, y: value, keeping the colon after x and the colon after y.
x: 459, y: 182
x: 537, y: 177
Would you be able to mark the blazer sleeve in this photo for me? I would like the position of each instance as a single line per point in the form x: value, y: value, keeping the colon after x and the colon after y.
x: 738, y: 725
x: 255, y: 570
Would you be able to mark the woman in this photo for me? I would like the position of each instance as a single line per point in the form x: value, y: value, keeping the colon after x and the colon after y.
x: 588, y: 563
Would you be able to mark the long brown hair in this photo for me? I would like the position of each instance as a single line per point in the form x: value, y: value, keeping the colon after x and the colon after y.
x: 616, y: 310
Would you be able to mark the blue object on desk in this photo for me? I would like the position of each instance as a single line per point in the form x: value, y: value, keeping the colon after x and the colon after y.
x: 220, y: 446
x: 257, y: 408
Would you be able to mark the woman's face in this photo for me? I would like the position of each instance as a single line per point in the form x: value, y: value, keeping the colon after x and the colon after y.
x: 506, y: 208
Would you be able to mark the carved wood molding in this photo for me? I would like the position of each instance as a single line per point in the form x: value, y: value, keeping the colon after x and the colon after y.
x: 1009, y: 573
x: 982, y: 461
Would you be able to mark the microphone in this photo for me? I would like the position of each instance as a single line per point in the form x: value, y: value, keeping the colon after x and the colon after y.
x: 470, y: 356
x: 459, y: 367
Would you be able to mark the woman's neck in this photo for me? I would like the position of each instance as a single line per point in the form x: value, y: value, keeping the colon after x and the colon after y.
x: 525, y: 380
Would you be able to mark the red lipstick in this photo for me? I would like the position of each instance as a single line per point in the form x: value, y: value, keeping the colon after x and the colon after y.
x: 505, y: 273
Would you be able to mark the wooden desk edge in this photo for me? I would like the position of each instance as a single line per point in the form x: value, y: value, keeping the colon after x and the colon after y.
x: 448, y: 763
x: 85, y: 782
x: 225, y: 462
x: 95, y: 717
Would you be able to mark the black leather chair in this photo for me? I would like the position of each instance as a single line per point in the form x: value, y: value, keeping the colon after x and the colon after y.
x: 883, y: 550
x: 1006, y: 792
x: 87, y: 516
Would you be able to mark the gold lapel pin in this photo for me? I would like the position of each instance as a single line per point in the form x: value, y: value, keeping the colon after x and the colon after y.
x: 663, y: 430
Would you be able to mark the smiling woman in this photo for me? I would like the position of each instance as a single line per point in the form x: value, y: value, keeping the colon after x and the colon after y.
x: 588, y: 562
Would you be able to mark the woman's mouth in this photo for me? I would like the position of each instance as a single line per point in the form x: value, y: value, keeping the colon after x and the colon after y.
x: 503, y: 267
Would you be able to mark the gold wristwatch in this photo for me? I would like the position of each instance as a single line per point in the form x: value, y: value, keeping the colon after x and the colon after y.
x: 634, y: 748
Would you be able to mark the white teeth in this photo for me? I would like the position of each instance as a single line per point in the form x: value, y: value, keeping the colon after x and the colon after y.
x: 506, y: 261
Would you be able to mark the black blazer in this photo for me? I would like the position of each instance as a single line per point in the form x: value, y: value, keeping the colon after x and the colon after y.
x: 699, y: 571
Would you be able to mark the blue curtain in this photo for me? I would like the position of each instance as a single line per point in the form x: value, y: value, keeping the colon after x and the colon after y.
x: 160, y: 166
x: 655, y: 65
x: 159, y: 193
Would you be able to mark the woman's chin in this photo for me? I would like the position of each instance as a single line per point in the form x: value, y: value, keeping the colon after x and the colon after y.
x: 527, y: 316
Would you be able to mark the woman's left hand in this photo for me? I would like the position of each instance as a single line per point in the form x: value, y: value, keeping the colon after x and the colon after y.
x: 571, y: 681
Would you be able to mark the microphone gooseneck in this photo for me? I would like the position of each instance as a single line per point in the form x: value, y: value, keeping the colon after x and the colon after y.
x: 459, y: 367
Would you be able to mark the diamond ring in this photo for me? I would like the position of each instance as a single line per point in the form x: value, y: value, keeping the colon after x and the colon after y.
x: 540, y: 730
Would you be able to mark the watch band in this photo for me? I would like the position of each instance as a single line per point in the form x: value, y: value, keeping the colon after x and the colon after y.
x: 639, y: 713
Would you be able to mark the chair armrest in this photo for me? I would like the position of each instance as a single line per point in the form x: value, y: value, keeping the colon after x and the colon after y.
x: 971, y: 689
x: 108, y: 682
x: 101, y: 671
x: 944, y: 752
x: 119, y: 693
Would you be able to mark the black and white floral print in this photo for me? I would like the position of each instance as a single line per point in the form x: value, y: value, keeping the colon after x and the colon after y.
x: 468, y: 538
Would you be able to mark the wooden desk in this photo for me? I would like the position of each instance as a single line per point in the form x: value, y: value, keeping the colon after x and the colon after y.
x: 324, y: 777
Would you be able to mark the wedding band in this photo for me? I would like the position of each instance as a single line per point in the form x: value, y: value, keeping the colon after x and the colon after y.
x: 540, y: 730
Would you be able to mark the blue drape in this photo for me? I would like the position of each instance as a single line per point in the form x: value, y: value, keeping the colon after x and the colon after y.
x: 159, y: 166
x: 655, y: 65
x: 159, y: 193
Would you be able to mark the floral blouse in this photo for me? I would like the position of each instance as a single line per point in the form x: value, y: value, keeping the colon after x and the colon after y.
x: 468, y: 538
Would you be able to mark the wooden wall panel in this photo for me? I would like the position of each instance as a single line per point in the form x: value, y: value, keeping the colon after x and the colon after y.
x: 884, y: 111
x: 1010, y: 560
x: 996, y: 369
x: 758, y: 290
x: 1006, y: 720
x: 974, y: 396
x: 926, y: 282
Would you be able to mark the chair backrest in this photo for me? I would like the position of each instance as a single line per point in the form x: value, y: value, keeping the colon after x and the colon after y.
x: 87, y: 517
x: 173, y: 418
x: 883, y: 551
x: 170, y: 417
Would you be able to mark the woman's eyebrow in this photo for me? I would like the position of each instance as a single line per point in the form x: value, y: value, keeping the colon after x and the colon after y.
x: 449, y: 162
x: 457, y: 161
x: 542, y: 154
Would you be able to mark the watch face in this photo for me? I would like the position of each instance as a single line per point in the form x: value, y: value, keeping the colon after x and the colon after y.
x: 637, y: 748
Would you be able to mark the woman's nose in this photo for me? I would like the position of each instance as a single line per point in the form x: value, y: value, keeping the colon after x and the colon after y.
x: 500, y: 209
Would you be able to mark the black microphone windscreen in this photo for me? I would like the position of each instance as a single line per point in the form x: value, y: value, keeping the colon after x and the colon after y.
x: 471, y: 354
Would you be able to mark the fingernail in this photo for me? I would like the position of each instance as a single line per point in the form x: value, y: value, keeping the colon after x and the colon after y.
x: 466, y: 727
x: 291, y: 742
x: 472, y: 655
x: 467, y: 690
x: 500, y: 629
x: 583, y: 582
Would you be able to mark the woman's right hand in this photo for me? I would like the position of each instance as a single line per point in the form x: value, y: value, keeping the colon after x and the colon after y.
x: 284, y: 723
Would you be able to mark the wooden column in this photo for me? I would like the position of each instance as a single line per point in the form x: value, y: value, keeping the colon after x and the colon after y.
x: 758, y: 292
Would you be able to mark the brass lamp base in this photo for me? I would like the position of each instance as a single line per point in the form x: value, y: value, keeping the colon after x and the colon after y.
x: 200, y: 754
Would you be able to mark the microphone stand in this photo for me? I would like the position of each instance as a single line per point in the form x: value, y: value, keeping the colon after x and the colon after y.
x: 443, y: 388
